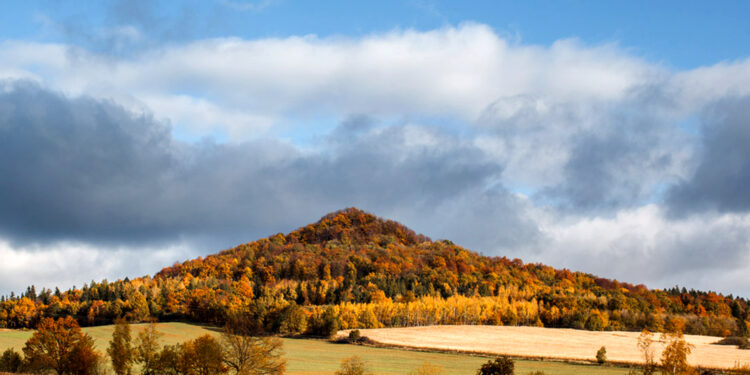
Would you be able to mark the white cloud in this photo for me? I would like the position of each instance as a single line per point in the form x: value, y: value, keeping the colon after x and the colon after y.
x: 642, y: 245
x: 454, y: 71
x: 64, y: 264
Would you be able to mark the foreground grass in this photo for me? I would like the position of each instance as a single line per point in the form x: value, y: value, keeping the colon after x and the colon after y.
x: 312, y: 357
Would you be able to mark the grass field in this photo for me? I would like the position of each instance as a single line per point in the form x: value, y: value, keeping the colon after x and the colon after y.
x: 534, y: 342
x: 310, y: 357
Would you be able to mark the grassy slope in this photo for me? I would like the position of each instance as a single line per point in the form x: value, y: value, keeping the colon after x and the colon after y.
x: 305, y: 356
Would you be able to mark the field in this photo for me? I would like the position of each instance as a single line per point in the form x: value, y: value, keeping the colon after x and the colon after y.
x: 311, y: 357
x: 535, y: 342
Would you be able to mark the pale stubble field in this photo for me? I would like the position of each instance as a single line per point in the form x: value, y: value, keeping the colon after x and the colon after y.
x: 549, y: 343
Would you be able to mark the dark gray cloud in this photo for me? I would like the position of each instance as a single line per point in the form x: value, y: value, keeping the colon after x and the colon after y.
x: 612, y: 168
x: 721, y: 181
x: 88, y: 170
x: 590, y: 159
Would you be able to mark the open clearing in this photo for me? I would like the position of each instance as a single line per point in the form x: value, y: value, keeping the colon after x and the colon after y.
x: 313, y: 357
x: 551, y: 343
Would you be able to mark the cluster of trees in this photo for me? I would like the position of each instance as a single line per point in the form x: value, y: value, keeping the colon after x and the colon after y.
x: 375, y: 273
x: 61, y: 346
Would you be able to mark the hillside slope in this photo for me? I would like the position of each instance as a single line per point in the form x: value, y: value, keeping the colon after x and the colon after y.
x: 373, y: 273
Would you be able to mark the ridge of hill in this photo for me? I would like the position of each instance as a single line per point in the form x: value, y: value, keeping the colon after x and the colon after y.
x: 352, y: 269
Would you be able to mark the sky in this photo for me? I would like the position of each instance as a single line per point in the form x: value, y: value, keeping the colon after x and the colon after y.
x: 604, y: 137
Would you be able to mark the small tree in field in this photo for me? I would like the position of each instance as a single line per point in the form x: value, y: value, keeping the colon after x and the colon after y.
x: 500, y: 366
x: 61, y: 346
x: 646, y: 346
x: 120, y: 348
x: 674, y: 358
x: 246, y: 354
x: 202, y: 355
x: 601, y: 355
x: 147, y: 349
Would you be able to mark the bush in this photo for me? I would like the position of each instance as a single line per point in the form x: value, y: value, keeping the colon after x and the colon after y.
x: 741, y: 368
x: 427, y: 369
x: 741, y: 342
x: 10, y: 361
x: 500, y: 366
x: 601, y: 355
x: 354, y: 336
x: 353, y: 366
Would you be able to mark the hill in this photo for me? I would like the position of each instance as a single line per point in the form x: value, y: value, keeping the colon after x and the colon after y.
x: 352, y: 269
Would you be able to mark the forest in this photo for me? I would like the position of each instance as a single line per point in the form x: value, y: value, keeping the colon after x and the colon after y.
x: 352, y: 269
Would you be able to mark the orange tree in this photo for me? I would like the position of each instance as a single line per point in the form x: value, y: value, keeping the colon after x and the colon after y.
x: 60, y: 345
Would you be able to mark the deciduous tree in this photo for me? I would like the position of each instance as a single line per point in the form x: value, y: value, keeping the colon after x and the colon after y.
x: 674, y: 357
x: 120, y: 348
x: 248, y: 355
x: 60, y: 345
x: 147, y: 349
x: 646, y: 346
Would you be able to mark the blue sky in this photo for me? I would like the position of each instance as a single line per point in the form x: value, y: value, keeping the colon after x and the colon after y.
x: 608, y: 137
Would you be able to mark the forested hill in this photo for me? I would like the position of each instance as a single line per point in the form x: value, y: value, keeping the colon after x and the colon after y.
x: 352, y: 269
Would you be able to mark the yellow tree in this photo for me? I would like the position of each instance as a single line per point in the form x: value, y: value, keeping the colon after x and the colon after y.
x: 147, y: 349
x: 646, y: 346
x: 120, y: 349
x: 674, y: 357
x: 248, y: 355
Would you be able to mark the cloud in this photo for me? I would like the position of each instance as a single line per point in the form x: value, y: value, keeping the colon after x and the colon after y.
x: 644, y: 244
x: 68, y: 264
x: 88, y: 170
x: 453, y: 71
x: 722, y: 176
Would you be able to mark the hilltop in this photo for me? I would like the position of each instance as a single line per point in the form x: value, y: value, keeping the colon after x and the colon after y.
x: 352, y: 269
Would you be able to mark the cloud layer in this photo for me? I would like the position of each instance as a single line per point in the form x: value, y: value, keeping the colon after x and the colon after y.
x: 579, y: 156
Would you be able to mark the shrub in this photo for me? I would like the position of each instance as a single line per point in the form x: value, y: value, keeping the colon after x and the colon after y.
x: 741, y: 342
x: 741, y: 368
x: 500, y: 366
x: 354, y: 335
x: 10, y: 361
x: 428, y: 369
x: 353, y: 366
x: 601, y: 355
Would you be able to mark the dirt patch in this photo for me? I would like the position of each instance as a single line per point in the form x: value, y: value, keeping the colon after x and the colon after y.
x: 549, y: 343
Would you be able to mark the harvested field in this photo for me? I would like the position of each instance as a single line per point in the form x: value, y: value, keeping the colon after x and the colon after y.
x: 549, y: 343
